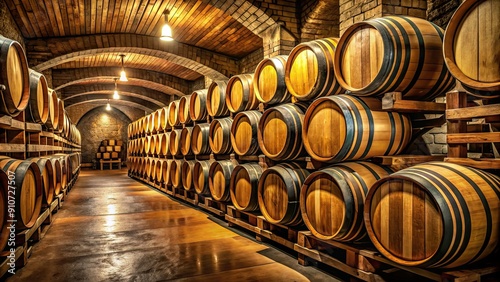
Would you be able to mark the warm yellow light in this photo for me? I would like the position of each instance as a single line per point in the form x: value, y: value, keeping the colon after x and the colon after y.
x: 108, y: 106
x: 166, y: 30
x: 116, y: 95
x: 123, y: 76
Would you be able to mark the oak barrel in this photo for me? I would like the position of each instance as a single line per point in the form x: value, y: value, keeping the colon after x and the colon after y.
x: 185, y: 141
x: 187, y: 174
x: 53, y: 119
x: 269, y: 81
x: 198, y: 105
x: 48, y: 179
x: 173, y: 113
x: 243, y: 186
x: 220, y: 136
x: 4, y: 215
x: 244, y: 133
x: 28, y: 188
x: 332, y: 200
x: 14, y: 76
x: 219, y: 178
x: 435, y: 215
x: 216, y: 99
x: 63, y: 160
x: 393, y: 54
x: 176, y: 172
x: 470, y: 47
x: 163, y: 170
x: 57, y: 174
x: 184, y: 116
x: 175, y: 142
x: 240, y: 94
x: 309, y: 71
x: 201, y: 170
x: 60, y: 111
x: 279, y: 193
x: 38, y: 108
x: 280, y: 131
x: 200, y: 139
x: 162, y: 144
x: 163, y: 119
x: 355, y: 131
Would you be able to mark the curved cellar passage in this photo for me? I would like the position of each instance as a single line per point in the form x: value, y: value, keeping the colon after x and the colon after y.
x: 113, y: 228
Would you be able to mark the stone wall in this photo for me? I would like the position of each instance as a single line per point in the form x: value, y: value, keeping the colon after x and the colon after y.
x: 250, y: 62
x: 440, y: 11
x: 100, y: 124
x: 8, y: 27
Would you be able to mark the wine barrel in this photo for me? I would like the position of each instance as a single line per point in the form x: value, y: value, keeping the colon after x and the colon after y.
x: 201, y: 171
x: 185, y: 141
x: 184, y: 116
x: 187, y: 174
x: 163, y: 119
x: 145, y: 124
x: 219, y: 177
x: 48, y: 178
x: 244, y: 133
x: 4, y: 215
x: 175, y: 142
x: 176, y: 172
x: 355, y: 132
x: 280, y: 132
x: 198, y: 105
x: 75, y: 163
x: 309, y: 71
x: 279, y: 193
x: 27, y: 181
x: 220, y: 136
x: 64, y: 169
x: 38, y: 108
x: 146, y: 172
x: 200, y: 139
x: 152, y: 122
x: 163, y: 170
x: 156, y: 170
x: 470, y: 47
x: 57, y: 174
x: 14, y: 77
x: 147, y: 144
x: 173, y: 113
x: 162, y: 144
x: 435, y: 215
x: 153, y: 168
x: 240, y: 94
x: 400, y: 53
x: 332, y: 200
x: 216, y: 99
x: 53, y: 119
x: 269, y: 81
x: 60, y: 111
x: 243, y: 186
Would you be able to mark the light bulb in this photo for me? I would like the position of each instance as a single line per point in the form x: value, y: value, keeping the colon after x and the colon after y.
x: 108, y: 107
x: 166, y: 33
x: 116, y: 95
x: 123, y: 76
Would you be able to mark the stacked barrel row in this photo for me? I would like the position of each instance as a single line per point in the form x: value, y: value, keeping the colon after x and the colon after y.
x: 109, y: 149
x: 323, y: 101
x: 30, y: 186
x: 25, y: 91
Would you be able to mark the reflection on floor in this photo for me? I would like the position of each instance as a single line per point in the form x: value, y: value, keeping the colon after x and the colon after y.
x: 113, y: 228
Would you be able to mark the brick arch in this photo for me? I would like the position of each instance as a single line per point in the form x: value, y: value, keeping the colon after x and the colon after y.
x: 246, y: 13
x: 208, y: 63
x: 320, y: 19
x: 122, y: 93
x: 99, y: 96
x: 132, y: 81
x: 118, y: 102
x: 76, y: 113
x: 176, y: 86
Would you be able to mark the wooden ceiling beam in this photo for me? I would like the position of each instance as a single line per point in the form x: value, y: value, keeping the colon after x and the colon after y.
x: 92, y: 97
x: 110, y: 94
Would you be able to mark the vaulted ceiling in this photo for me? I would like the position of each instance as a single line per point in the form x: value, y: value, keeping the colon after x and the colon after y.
x: 79, y: 43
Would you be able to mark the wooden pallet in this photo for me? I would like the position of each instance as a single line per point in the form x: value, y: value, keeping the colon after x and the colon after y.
x: 186, y: 196
x: 458, y: 113
x: 208, y: 204
x: 363, y: 262
x: 263, y: 229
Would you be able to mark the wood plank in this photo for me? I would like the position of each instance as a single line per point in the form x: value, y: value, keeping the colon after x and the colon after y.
x: 12, y: 148
x: 479, y: 137
x: 477, y: 163
x: 393, y: 102
x: 455, y: 100
x: 473, y: 112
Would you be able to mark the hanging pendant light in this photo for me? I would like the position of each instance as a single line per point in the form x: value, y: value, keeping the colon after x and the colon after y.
x: 166, y: 30
x: 115, y: 93
x: 108, y: 106
x: 123, y: 75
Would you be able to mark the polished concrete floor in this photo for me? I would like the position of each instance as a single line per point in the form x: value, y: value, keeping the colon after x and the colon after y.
x: 113, y: 228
